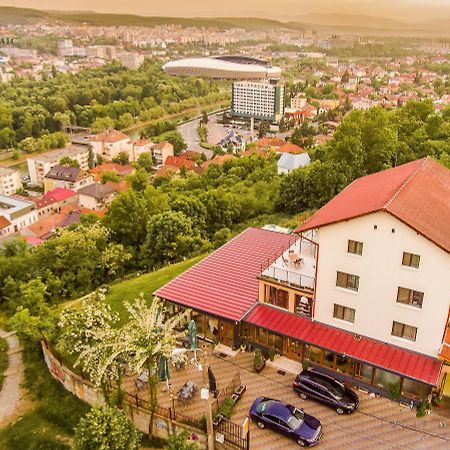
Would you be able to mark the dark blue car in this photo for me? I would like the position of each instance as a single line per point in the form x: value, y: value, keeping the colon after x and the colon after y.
x: 286, y: 419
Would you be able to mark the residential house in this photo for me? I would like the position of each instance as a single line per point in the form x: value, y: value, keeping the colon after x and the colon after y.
x: 110, y: 143
x: 96, y: 196
x: 290, y: 161
x: 54, y: 201
x: 162, y: 151
x: 64, y: 177
x: 18, y: 212
x: 370, y: 307
x: 38, y: 166
x: 9, y: 181
x: 139, y: 147
x: 121, y: 170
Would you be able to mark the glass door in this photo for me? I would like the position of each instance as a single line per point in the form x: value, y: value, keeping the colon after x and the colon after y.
x: 226, y: 333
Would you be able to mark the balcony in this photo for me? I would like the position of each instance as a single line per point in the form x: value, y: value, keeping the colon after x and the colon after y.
x: 296, y: 267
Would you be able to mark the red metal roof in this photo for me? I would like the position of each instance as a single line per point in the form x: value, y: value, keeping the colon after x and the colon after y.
x: 389, y: 357
x: 225, y: 283
x: 417, y: 193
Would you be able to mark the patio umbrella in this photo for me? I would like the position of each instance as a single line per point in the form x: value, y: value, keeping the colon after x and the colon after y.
x: 192, y: 335
x: 212, y: 382
x: 163, y: 370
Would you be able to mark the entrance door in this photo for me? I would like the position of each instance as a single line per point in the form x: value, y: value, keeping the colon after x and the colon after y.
x: 226, y: 333
x: 292, y: 349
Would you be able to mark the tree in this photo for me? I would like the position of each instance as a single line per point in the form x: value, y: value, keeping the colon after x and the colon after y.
x: 110, y: 176
x: 205, y: 117
x: 138, y: 180
x: 91, y: 333
x: 179, y: 441
x: 91, y: 160
x: 202, y: 132
x: 176, y: 139
x: 170, y: 237
x: 69, y: 162
x: 264, y: 128
x: 122, y: 158
x: 106, y: 427
x: 148, y: 335
x: 145, y: 161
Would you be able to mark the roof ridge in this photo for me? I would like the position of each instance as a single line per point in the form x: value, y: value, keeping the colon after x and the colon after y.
x: 405, y: 183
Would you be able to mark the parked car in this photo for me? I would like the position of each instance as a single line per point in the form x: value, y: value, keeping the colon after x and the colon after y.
x: 327, y: 390
x: 286, y: 419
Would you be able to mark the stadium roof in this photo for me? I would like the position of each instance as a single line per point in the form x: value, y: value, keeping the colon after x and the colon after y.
x: 224, y: 67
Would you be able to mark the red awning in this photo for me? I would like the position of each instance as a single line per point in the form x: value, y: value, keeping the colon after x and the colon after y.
x: 388, y: 357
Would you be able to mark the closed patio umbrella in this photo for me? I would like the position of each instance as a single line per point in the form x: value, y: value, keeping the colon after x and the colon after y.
x: 163, y: 370
x: 192, y: 328
x: 212, y: 382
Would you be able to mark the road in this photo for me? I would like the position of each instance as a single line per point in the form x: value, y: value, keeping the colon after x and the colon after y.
x: 216, y: 132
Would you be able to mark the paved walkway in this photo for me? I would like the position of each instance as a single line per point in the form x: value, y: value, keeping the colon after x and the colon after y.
x: 10, y: 393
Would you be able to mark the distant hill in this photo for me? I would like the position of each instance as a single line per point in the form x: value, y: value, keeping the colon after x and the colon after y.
x: 340, y: 23
x: 23, y: 16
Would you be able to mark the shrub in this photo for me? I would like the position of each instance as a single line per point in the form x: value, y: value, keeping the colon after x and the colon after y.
x: 394, y: 390
x: 107, y: 427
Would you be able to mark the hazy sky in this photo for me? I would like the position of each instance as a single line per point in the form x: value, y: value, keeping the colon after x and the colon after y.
x: 405, y: 10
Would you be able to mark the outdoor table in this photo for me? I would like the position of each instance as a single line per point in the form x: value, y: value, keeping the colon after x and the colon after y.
x: 187, y: 391
x: 143, y: 377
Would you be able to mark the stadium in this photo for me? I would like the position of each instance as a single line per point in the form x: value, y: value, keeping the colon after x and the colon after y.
x: 223, y: 67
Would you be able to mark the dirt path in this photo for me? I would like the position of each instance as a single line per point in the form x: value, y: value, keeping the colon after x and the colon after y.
x: 10, y: 395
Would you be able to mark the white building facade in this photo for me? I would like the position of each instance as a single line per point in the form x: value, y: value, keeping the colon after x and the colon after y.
x: 9, y: 181
x: 260, y: 100
x: 368, y: 284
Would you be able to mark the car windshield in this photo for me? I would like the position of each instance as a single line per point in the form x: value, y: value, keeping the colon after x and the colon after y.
x: 296, y: 419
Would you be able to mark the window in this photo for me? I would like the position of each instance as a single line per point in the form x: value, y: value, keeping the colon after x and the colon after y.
x: 410, y: 297
x: 277, y: 297
x: 344, y: 313
x: 404, y: 331
x: 347, y: 281
x: 411, y: 260
x: 355, y: 247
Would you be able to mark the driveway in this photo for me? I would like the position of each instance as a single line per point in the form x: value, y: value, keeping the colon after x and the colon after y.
x: 378, y: 423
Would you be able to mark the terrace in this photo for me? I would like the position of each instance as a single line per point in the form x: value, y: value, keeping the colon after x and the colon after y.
x: 296, y: 267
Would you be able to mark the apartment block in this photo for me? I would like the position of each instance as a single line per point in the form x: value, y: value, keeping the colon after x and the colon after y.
x: 260, y: 100
x: 39, y: 166
x: 9, y: 181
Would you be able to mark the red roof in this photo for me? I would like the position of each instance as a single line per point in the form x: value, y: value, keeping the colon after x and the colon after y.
x: 291, y: 148
x: 417, y: 193
x: 386, y: 356
x: 4, y: 222
x: 179, y: 162
x: 225, y: 283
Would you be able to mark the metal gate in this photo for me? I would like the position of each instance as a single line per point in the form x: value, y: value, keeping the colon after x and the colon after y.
x: 232, y: 435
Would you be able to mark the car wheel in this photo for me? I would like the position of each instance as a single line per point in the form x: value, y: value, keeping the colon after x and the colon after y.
x: 301, y: 443
x: 339, y: 410
x: 303, y: 396
x: 260, y: 425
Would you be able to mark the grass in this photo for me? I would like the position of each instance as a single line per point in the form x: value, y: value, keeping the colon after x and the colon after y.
x: 51, y: 424
x: 148, y: 283
x: 3, y: 360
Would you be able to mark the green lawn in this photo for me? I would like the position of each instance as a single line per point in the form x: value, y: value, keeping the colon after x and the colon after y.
x: 3, y: 360
x: 148, y: 283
